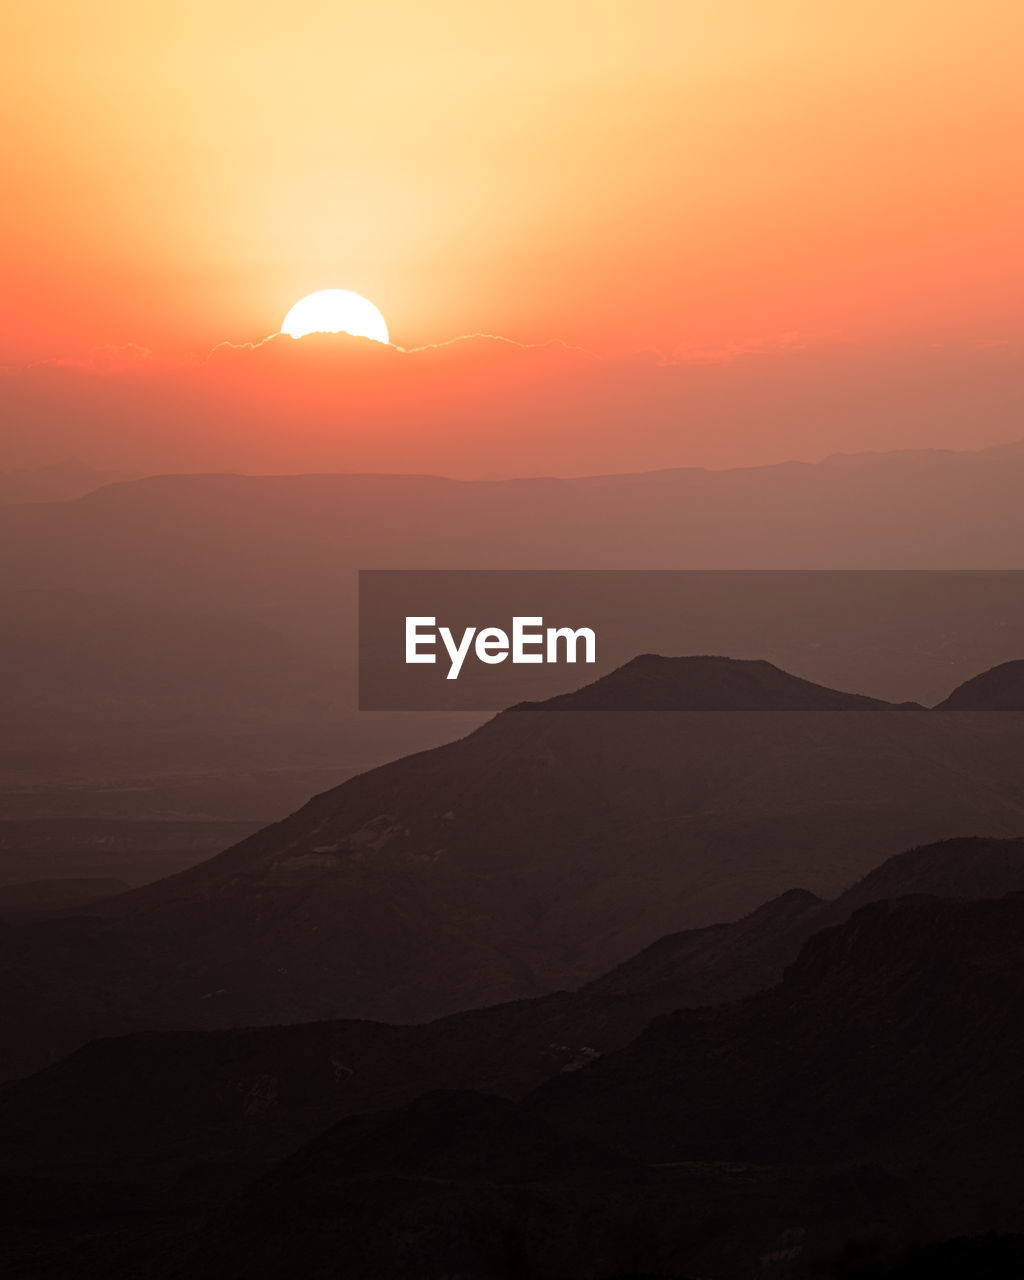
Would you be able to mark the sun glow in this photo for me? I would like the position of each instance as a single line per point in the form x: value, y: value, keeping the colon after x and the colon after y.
x: 335, y: 311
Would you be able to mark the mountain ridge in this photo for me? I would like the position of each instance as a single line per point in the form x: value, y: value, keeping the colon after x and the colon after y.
x: 866, y: 1102
x: 530, y: 856
x: 709, y: 682
x: 508, y: 1049
x: 1000, y: 688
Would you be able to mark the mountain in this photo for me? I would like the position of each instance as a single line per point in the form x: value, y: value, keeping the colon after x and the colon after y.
x: 133, y: 1091
x: 960, y: 868
x: 1001, y: 689
x: 534, y: 854
x: 282, y: 552
x: 906, y: 1011
x: 878, y: 510
x: 60, y: 482
x: 651, y: 682
x: 256, y: 1091
x: 224, y: 577
x: 865, y: 1106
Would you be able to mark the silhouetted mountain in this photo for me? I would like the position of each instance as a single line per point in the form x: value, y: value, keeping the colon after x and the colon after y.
x: 252, y: 1093
x: 258, y: 1086
x: 994, y: 1256
x: 868, y: 1104
x: 876, y: 1091
x: 474, y: 1186
x: 1001, y: 689
x: 906, y: 1012
x: 654, y: 683
x: 532, y: 855
x: 960, y: 868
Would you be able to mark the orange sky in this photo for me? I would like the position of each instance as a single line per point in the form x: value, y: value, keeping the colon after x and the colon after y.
x: 685, y: 176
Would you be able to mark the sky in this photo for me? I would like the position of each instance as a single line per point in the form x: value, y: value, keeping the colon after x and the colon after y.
x: 821, y: 199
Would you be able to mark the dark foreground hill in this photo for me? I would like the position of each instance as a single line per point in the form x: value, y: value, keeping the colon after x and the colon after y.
x: 907, y: 1012
x: 261, y: 1089
x: 869, y: 1103
x: 866, y: 1104
x: 532, y: 855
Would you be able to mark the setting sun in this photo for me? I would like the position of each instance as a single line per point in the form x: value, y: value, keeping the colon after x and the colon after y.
x: 335, y: 311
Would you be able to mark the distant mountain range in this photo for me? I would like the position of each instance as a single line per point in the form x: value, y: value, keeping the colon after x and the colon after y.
x: 253, y: 577
x: 205, y: 625
x: 532, y: 855
x: 59, y: 482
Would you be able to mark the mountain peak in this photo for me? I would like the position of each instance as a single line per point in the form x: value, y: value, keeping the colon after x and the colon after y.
x: 707, y: 682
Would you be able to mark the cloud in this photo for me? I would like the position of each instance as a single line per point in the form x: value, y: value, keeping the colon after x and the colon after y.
x: 485, y: 405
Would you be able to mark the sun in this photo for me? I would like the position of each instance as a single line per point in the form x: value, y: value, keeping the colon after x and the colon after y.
x: 335, y: 311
